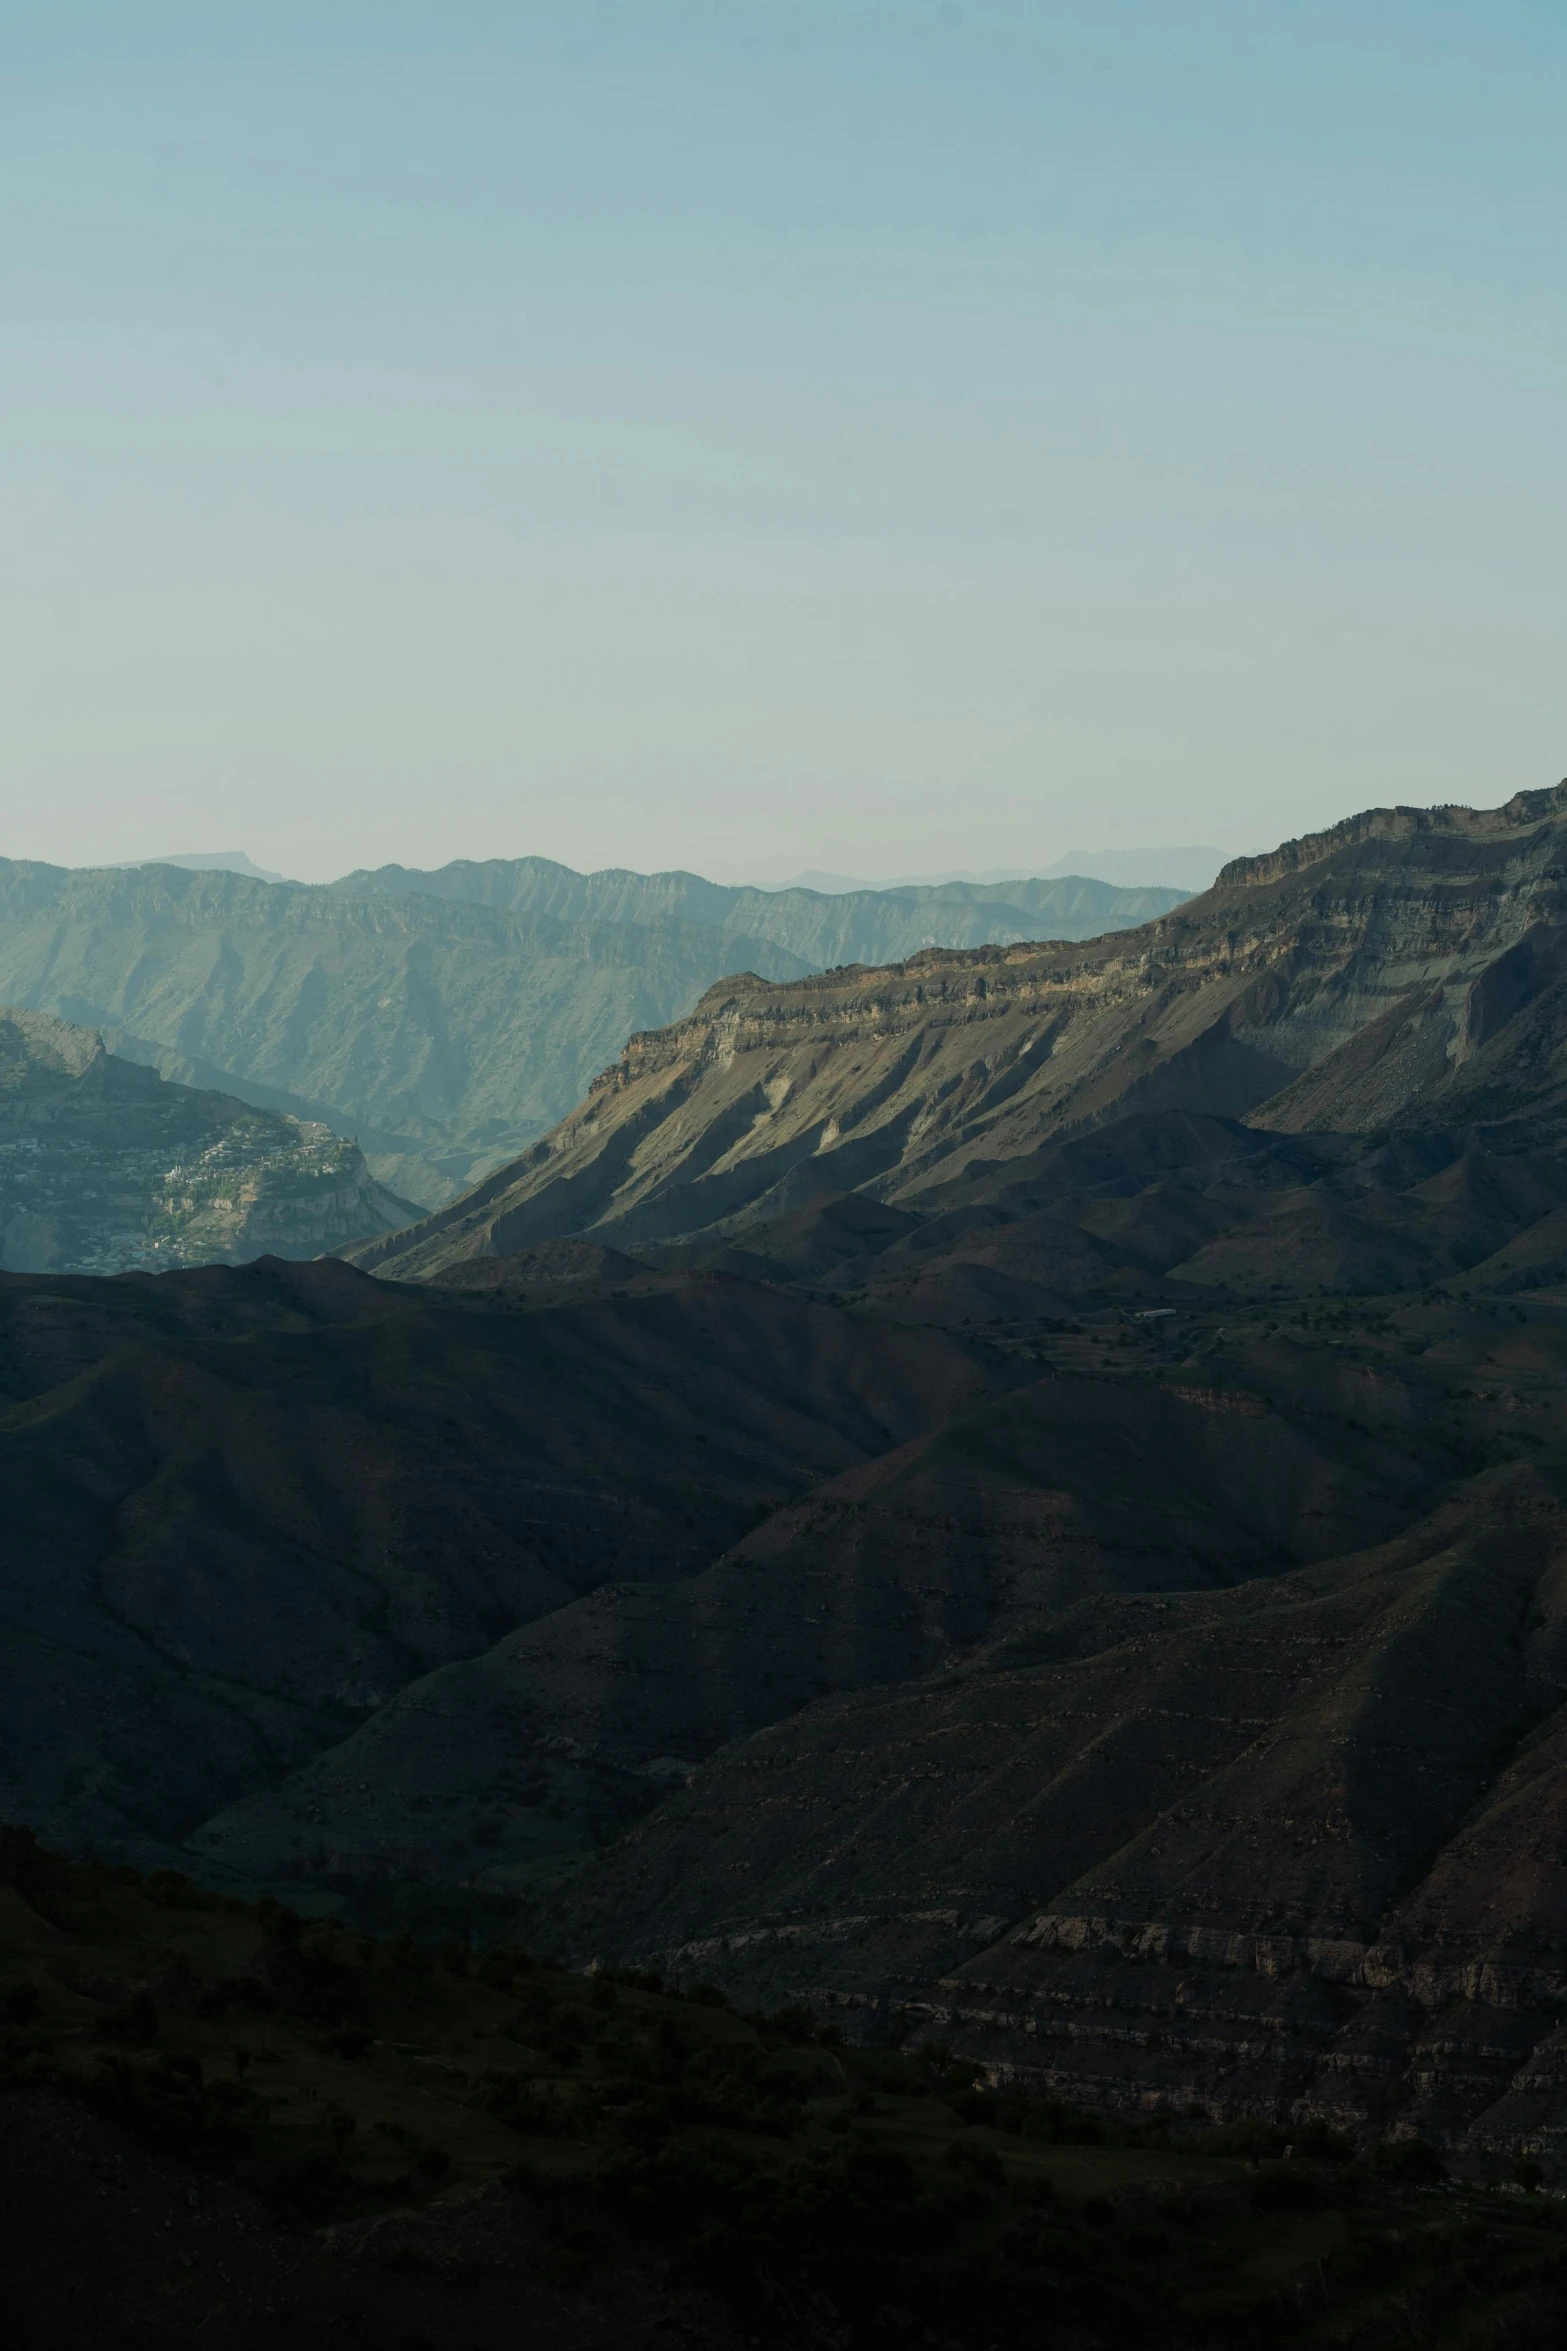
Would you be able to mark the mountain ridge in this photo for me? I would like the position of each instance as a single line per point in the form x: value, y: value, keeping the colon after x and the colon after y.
x: 1399, y: 822
x: 439, y: 1031
x: 869, y: 925
x: 1416, y: 946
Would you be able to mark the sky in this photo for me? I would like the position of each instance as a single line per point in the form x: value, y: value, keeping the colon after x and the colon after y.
x: 875, y: 435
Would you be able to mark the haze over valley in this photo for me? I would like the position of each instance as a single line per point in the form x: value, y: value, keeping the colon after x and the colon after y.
x: 783, y: 1177
x: 442, y: 1020
x: 975, y: 1365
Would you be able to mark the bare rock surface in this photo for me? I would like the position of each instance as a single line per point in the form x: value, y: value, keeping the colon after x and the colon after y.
x: 105, y: 1167
x: 1404, y: 968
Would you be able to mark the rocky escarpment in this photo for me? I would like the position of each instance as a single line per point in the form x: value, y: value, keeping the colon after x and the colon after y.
x: 1406, y: 969
x: 1451, y: 819
x: 104, y: 1166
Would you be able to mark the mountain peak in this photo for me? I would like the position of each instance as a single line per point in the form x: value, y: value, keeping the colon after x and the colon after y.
x: 206, y: 861
x: 1397, y: 823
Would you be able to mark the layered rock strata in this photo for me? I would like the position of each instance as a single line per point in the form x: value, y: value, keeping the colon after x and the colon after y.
x: 104, y: 1166
x: 1405, y: 968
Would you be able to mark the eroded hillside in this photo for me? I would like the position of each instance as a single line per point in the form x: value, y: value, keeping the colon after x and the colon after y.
x: 441, y: 1020
x: 1402, y: 970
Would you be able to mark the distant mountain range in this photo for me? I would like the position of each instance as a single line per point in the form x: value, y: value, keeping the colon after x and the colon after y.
x: 444, y: 1020
x: 207, y: 861
x: 1167, y: 868
x: 1175, y: 869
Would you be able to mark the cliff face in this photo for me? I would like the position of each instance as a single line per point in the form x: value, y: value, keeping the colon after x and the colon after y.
x: 1408, y: 968
x: 104, y: 1166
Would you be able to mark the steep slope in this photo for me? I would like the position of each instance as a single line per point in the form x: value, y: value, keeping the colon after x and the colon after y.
x: 952, y: 1546
x: 440, y: 1026
x: 440, y: 1036
x: 1163, y: 1209
x: 1155, y: 1691
x: 1287, y: 1848
x: 104, y: 1166
x: 1404, y: 968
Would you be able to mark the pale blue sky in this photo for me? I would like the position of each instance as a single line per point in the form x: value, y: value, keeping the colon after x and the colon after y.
x: 750, y: 434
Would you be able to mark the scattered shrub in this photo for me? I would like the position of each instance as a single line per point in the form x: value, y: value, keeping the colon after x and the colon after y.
x: 1412, y: 2163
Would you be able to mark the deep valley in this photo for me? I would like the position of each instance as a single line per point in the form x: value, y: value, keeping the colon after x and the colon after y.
x: 1014, y: 1504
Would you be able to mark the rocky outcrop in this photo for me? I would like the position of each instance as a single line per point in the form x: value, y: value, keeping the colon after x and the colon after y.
x: 105, y: 1167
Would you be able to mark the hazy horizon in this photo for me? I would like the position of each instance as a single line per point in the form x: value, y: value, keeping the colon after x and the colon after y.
x: 1162, y: 866
x: 882, y: 438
